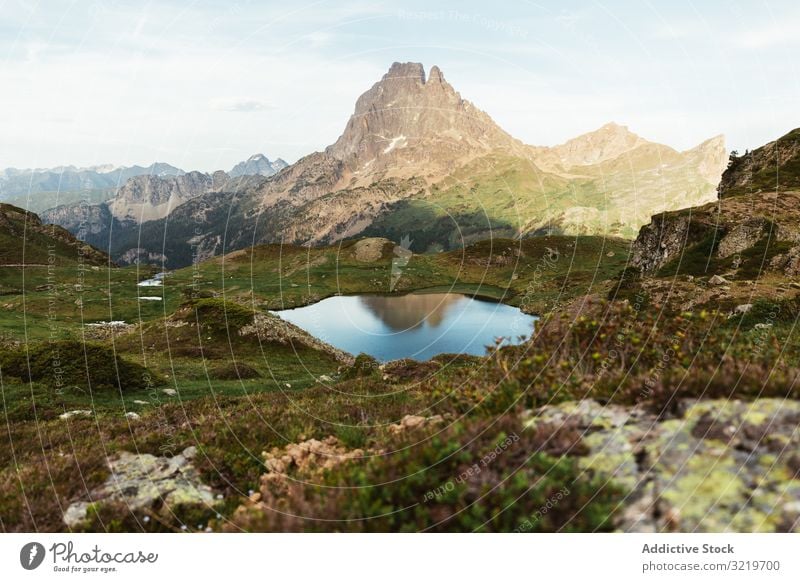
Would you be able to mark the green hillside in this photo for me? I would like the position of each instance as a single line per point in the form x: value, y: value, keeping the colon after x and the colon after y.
x: 25, y: 240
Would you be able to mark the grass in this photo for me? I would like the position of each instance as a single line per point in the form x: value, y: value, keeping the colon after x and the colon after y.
x: 233, y: 421
x: 236, y: 396
x: 49, y: 304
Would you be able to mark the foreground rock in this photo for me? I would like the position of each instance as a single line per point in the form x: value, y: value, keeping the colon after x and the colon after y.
x: 723, y: 466
x: 140, y: 481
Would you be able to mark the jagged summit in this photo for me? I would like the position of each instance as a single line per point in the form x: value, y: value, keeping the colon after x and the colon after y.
x: 257, y: 165
x: 407, y: 124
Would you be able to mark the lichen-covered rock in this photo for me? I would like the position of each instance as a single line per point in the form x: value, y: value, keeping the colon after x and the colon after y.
x: 742, y: 237
x: 140, y: 481
x: 660, y: 241
x: 726, y: 465
x: 788, y: 262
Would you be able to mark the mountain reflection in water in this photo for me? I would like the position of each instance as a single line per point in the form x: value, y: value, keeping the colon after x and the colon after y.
x: 410, y: 311
x: 418, y: 326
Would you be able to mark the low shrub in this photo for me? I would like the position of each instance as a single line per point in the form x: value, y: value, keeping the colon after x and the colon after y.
x: 473, y: 476
x: 363, y: 367
x: 617, y: 353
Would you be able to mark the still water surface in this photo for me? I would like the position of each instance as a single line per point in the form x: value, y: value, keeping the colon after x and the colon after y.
x: 417, y: 326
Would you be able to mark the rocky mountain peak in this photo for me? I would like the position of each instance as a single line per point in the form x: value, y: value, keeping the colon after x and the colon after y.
x: 407, y: 124
x: 406, y: 71
x: 436, y: 75
x: 257, y: 165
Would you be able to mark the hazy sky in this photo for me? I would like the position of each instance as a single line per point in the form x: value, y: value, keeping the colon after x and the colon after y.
x: 205, y: 84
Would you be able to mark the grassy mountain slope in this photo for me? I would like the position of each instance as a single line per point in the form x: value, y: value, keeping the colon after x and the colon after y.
x: 506, y: 196
x: 24, y: 240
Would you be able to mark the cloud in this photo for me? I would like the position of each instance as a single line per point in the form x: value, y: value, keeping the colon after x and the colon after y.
x: 240, y: 105
x: 783, y: 33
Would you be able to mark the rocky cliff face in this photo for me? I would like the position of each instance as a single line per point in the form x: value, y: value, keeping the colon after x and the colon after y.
x: 660, y: 241
x: 144, y: 198
x: 772, y: 167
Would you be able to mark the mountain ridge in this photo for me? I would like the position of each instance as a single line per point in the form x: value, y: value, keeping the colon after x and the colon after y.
x: 257, y: 164
x: 417, y: 160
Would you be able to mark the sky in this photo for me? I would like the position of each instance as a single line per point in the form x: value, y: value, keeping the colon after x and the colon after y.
x: 205, y: 84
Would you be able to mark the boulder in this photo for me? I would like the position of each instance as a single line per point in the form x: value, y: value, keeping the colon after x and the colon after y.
x: 141, y: 481
x: 726, y: 465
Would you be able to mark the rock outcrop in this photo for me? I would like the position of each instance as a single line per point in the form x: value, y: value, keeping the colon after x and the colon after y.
x: 729, y: 229
x: 141, y: 481
x: 726, y: 465
x: 660, y: 241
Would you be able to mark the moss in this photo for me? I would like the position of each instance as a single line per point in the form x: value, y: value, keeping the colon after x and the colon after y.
x: 220, y: 317
x: 79, y: 366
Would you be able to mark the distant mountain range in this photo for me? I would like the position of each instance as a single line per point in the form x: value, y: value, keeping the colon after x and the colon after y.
x: 257, y: 165
x: 416, y: 161
x: 44, y: 188
x: 14, y: 182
